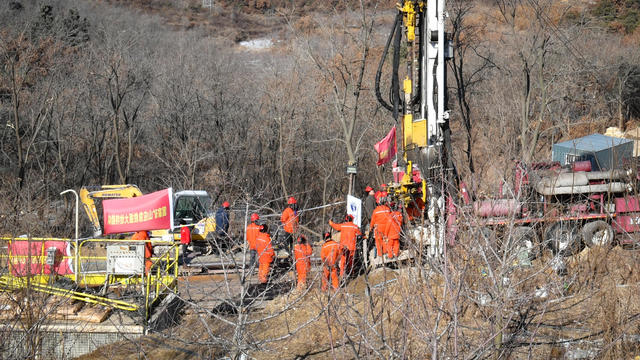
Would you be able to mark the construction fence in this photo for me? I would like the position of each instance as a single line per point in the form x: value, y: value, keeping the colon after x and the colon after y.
x: 91, y: 270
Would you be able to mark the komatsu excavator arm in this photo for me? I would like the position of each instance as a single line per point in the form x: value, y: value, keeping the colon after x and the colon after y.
x: 89, y: 193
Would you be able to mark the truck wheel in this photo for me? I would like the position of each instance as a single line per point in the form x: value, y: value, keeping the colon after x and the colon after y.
x: 597, y: 233
x: 564, y: 238
x: 527, y: 238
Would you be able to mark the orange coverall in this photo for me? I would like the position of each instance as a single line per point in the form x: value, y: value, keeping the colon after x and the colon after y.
x: 265, y: 255
x: 379, y: 224
x: 252, y: 233
x: 393, y: 234
x: 348, y: 235
x: 302, y: 253
x: 148, y: 248
x: 290, y: 220
x: 330, y: 254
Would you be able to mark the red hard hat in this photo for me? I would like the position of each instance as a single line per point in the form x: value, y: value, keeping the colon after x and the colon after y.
x: 327, y: 235
x: 255, y: 217
x: 383, y: 186
x: 225, y: 204
x: 292, y: 200
x: 368, y: 188
x: 349, y: 217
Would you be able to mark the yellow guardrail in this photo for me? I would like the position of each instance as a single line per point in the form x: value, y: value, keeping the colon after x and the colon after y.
x: 88, y: 262
x: 8, y: 283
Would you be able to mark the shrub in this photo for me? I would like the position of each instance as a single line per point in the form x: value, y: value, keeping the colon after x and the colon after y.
x: 630, y: 20
x: 606, y: 10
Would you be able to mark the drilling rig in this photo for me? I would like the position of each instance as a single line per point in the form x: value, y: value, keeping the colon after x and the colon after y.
x: 563, y: 208
x: 425, y: 177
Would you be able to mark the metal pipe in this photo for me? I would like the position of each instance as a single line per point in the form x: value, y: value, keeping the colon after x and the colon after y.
x: 613, y: 187
x: 423, y: 64
x: 430, y: 84
x: 440, y: 66
x: 76, y: 255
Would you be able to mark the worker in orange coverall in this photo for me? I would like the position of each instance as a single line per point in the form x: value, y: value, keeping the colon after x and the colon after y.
x: 148, y: 248
x: 379, y: 223
x: 394, y: 229
x: 302, y: 252
x: 331, y: 254
x: 265, y: 253
x: 290, y: 219
x: 252, y: 234
x: 349, y: 232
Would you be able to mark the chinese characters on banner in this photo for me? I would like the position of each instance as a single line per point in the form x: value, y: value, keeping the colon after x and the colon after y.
x: 148, y: 212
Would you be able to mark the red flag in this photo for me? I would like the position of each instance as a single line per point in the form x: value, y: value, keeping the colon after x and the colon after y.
x: 386, y: 147
x: 148, y: 212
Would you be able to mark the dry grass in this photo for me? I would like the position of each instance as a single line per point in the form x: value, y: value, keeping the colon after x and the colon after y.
x: 595, y: 303
x: 184, y: 342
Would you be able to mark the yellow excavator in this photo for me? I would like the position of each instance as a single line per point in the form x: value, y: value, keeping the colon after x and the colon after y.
x: 191, y: 206
x: 89, y: 193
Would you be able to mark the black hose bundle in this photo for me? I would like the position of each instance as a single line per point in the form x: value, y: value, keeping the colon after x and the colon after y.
x: 395, y: 81
x: 394, y: 93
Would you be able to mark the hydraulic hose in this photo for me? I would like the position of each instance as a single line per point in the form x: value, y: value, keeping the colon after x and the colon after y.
x: 394, y: 29
x: 395, y: 81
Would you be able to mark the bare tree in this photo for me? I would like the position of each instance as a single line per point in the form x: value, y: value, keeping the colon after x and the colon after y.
x: 467, y: 37
x: 343, y: 66
x: 126, y: 82
x: 23, y: 66
x: 627, y: 93
x: 537, y: 46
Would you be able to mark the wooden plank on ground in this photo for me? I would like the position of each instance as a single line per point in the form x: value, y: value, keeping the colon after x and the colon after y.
x: 70, y: 309
x: 93, y: 314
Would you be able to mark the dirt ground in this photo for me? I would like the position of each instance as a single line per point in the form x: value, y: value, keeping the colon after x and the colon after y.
x: 591, y: 311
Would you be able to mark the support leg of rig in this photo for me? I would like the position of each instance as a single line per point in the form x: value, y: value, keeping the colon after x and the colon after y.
x: 441, y: 225
x: 433, y: 221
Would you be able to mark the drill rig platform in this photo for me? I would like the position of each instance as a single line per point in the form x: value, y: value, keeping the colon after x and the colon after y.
x: 425, y: 178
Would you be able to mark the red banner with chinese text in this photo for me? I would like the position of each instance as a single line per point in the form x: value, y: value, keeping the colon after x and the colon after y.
x: 148, y: 212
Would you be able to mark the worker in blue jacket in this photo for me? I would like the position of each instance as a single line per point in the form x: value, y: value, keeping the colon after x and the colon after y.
x: 222, y: 223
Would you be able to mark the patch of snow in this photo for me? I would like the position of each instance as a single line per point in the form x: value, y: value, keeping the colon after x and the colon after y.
x: 257, y: 44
